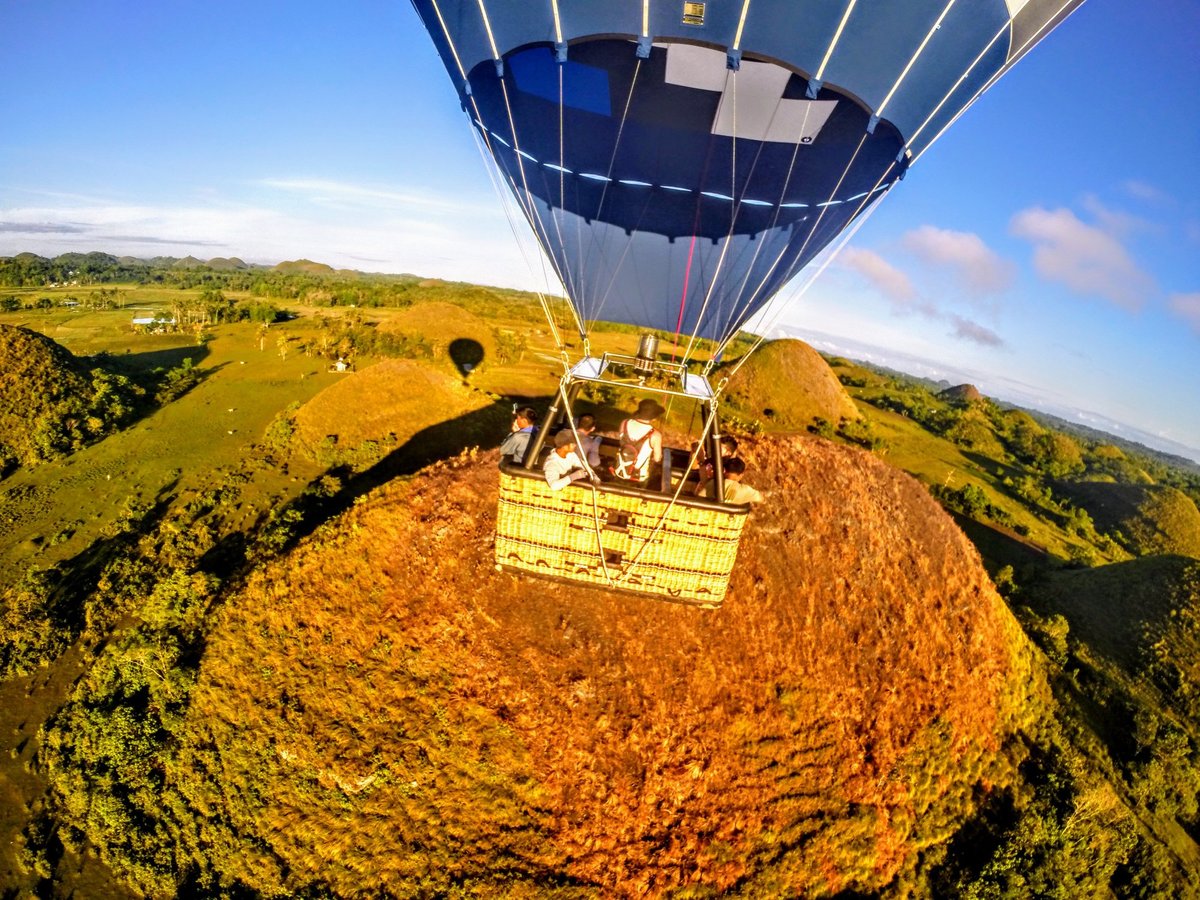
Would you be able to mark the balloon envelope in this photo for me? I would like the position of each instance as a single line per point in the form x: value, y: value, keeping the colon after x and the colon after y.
x: 681, y: 161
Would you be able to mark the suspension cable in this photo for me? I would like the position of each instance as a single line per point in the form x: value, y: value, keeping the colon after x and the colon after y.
x: 730, y: 76
x: 658, y: 526
x: 778, y: 211
x: 612, y: 162
x: 777, y: 308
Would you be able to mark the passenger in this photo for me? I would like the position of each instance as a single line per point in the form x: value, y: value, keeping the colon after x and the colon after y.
x: 735, y: 492
x: 588, y: 439
x: 524, y: 425
x: 729, y: 447
x: 563, y: 465
x: 641, y: 443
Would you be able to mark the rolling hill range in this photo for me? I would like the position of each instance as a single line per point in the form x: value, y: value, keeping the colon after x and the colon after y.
x: 382, y: 712
x: 254, y: 642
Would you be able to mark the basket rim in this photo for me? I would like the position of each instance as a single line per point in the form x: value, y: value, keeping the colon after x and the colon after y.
x: 608, y: 487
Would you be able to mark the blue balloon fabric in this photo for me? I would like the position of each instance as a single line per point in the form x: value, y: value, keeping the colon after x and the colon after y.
x: 681, y: 161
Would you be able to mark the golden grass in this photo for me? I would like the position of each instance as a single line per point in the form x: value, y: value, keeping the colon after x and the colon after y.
x: 391, y: 401
x: 441, y: 323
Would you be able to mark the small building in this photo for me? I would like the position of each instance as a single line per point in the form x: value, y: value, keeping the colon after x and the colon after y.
x: 153, y: 324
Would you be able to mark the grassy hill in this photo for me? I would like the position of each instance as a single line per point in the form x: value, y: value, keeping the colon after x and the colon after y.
x: 456, y: 335
x: 1150, y: 518
x: 239, y: 669
x: 48, y: 403
x: 961, y: 393
x: 304, y: 267
x: 394, y: 400
x: 1120, y: 610
x: 787, y: 385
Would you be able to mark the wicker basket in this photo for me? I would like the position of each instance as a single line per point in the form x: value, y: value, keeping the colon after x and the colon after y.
x: 618, y: 538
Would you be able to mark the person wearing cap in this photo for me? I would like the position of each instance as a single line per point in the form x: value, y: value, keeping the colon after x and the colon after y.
x: 563, y: 465
x: 705, y: 468
x: 640, y: 442
x: 524, y: 424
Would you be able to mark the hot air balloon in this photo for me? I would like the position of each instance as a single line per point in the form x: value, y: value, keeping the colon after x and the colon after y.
x: 680, y: 162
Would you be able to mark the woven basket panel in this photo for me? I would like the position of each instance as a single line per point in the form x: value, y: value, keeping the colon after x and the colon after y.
x: 578, y: 534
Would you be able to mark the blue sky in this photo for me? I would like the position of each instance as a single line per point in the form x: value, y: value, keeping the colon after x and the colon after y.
x: 1045, y: 248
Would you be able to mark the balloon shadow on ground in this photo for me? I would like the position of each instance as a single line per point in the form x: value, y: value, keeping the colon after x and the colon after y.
x: 466, y: 354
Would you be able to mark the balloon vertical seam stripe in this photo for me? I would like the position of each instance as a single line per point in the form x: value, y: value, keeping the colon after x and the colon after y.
x: 837, y: 36
x: 953, y: 90
x: 913, y: 61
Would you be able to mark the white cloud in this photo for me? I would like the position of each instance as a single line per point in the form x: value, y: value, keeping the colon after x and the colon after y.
x: 388, y: 239
x: 894, y: 284
x: 1187, y: 307
x: 1146, y: 192
x: 327, y: 192
x: 977, y: 266
x: 1116, y: 223
x: 1085, y: 258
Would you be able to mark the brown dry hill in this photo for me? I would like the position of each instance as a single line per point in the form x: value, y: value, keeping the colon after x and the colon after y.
x: 303, y: 267
x: 39, y: 380
x: 383, y: 713
x: 391, y: 400
x: 962, y: 393
x: 787, y: 383
x: 442, y: 325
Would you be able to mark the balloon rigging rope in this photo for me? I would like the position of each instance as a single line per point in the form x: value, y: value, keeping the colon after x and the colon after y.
x: 773, y: 308
x: 730, y: 76
x: 735, y: 316
x: 490, y: 160
x: 507, y: 199
x: 534, y: 221
x: 649, y: 539
x: 555, y: 214
x: 778, y: 308
x: 591, y: 320
x: 566, y: 401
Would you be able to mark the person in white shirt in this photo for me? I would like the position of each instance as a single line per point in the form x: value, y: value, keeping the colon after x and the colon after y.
x: 641, y: 443
x: 563, y: 465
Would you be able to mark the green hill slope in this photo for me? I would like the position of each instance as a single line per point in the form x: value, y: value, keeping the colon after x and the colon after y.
x: 787, y: 384
x: 43, y: 396
x: 1150, y: 519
